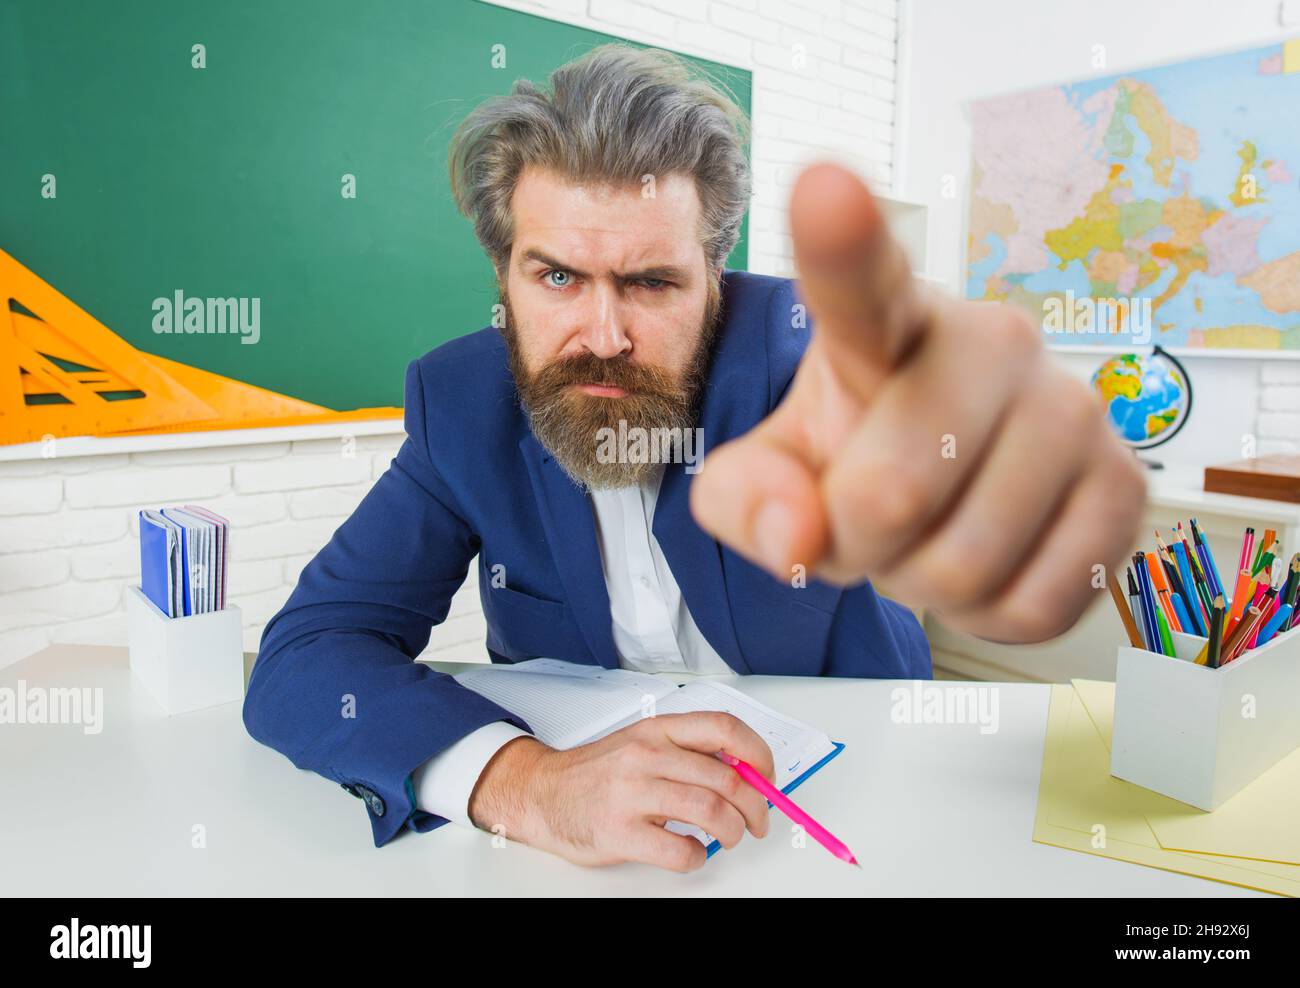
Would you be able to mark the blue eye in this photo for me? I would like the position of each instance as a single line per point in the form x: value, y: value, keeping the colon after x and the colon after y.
x: 550, y: 275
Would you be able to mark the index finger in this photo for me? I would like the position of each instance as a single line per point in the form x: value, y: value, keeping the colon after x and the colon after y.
x: 853, y: 275
x: 709, y: 732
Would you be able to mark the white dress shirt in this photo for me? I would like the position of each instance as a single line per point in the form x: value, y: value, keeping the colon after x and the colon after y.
x: 652, y: 628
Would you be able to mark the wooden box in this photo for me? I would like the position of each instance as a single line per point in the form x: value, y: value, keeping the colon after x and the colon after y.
x: 1276, y: 478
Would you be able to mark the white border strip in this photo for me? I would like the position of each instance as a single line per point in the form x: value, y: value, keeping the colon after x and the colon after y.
x: 109, y: 445
x: 1181, y: 352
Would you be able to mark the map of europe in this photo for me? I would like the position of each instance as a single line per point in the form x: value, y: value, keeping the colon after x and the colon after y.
x: 1172, y: 191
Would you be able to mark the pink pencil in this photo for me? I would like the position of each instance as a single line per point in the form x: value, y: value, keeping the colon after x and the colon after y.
x: 783, y: 803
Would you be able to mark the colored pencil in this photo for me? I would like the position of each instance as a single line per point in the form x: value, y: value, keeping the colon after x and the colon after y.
x: 1244, y: 637
x: 1208, y: 568
x: 1199, y: 583
x: 1247, y: 544
x: 1175, y: 580
x: 1149, y: 606
x: 1267, y: 602
x: 1162, y: 590
x: 1207, y: 559
x: 1265, y: 544
x: 1236, y: 635
x: 1240, y: 596
x: 1125, y: 614
x: 1285, y: 593
x: 1295, y: 589
x: 1135, y: 606
x: 1201, y: 611
x: 1279, y: 618
x: 1166, y: 639
x: 1216, y: 632
x: 1184, y: 618
x: 1263, y: 564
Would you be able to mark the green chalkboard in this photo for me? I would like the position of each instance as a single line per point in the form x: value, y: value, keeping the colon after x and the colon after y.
x: 225, y: 181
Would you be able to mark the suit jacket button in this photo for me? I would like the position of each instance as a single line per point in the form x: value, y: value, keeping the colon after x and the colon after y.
x: 376, y: 804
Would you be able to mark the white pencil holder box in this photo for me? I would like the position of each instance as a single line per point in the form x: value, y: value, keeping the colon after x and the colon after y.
x: 1200, y: 735
x: 186, y: 663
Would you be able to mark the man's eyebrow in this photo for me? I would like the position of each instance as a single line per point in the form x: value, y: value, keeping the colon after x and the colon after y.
x: 533, y: 254
x: 662, y: 272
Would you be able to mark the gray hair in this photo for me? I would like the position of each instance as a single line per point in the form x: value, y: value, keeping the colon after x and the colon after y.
x: 614, y: 115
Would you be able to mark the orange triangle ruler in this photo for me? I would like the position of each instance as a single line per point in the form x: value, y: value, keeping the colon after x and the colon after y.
x: 64, y: 373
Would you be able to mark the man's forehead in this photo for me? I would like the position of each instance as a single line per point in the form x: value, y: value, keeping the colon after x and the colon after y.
x: 616, y: 225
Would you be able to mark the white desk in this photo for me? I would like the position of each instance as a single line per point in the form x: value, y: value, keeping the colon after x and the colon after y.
x: 929, y: 810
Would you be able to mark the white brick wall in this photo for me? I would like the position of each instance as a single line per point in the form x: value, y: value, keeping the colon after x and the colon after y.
x: 825, y: 78
x: 69, y: 533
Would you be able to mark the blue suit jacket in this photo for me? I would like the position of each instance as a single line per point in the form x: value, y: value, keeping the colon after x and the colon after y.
x: 472, y: 479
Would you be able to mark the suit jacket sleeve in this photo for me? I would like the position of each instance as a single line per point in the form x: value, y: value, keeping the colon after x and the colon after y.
x: 335, y: 687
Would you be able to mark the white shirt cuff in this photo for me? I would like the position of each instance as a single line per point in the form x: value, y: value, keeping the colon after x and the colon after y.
x: 445, y: 782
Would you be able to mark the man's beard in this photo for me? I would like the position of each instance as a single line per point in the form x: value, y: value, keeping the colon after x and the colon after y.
x: 577, y: 427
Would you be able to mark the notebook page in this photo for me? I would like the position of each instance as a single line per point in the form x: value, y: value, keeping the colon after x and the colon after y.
x: 195, y: 562
x: 566, y: 704
x: 202, y: 571
x: 796, y: 747
x: 222, y: 539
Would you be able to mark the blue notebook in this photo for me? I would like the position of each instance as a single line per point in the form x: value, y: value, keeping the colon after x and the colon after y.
x: 567, y: 704
x: 183, y: 559
x: 159, y: 560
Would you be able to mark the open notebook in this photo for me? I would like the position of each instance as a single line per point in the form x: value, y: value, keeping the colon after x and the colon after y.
x: 568, y: 704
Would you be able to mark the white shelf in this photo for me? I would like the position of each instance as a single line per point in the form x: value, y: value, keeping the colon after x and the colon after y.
x: 910, y: 224
x: 1183, y: 488
x: 103, y: 446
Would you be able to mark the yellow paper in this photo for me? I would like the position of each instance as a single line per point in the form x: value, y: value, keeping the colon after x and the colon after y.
x: 1082, y: 808
x: 1261, y: 822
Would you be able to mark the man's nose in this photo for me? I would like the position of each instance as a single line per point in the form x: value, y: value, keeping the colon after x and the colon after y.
x: 604, y: 328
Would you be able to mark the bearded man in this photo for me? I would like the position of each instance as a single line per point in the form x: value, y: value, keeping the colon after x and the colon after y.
x: 830, y: 410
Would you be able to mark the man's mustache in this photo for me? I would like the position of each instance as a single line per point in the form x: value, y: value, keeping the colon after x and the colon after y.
x: 617, y: 372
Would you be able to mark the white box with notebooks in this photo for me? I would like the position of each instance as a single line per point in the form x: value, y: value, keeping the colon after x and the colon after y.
x: 186, y: 663
x: 186, y: 641
x: 1200, y: 735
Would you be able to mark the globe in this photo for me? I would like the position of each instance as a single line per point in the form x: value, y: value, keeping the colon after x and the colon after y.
x: 1148, y: 397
